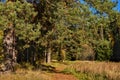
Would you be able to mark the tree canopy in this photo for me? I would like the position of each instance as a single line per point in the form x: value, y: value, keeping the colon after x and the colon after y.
x: 39, y: 31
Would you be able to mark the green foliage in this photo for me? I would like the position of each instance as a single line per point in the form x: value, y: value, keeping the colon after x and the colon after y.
x: 21, y: 16
x: 52, y: 26
x: 86, y: 53
x: 27, y: 66
x: 103, y: 50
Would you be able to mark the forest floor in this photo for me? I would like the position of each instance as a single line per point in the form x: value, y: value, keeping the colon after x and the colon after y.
x: 69, y: 70
x: 58, y: 75
x: 51, y: 71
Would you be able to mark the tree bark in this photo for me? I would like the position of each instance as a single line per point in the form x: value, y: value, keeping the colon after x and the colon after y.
x: 48, y: 55
x: 45, y: 56
x: 9, y: 49
x: 102, y: 33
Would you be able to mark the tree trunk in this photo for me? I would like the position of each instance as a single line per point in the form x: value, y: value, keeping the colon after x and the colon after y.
x: 9, y: 49
x: 61, y: 53
x: 45, y: 56
x: 102, y: 33
x: 48, y: 55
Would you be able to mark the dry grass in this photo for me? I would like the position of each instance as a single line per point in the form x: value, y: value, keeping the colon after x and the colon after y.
x: 83, y: 70
x: 50, y: 71
x: 108, y: 69
x: 25, y: 75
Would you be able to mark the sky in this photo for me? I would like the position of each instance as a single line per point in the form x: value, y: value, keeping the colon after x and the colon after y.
x: 116, y: 8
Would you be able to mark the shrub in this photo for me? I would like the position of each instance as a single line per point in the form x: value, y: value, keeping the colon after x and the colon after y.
x: 87, y: 53
x: 103, y: 50
x: 27, y: 66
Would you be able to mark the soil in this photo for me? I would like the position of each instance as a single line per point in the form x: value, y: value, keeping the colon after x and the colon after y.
x: 61, y: 76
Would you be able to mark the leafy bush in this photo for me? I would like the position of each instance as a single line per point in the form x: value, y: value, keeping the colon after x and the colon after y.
x: 103, y: 50
x: 87, y: 53
x: 27, y: 66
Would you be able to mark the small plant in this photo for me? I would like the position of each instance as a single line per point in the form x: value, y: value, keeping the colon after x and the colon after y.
x: 27, y: 66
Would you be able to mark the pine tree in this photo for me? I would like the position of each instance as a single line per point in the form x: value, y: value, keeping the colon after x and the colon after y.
x: 16, y: 22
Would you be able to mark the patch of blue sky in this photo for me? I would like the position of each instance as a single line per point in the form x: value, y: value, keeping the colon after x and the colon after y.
x: 94, y: 10
x: 118, y: 5
x: 3, y: 1
x: 82, y: 1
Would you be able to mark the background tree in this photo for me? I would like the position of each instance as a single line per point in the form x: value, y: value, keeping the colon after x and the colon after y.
x: 103, y: 10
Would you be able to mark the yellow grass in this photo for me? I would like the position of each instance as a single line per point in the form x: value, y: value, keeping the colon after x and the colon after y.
x: 110, y: 70
x: 25, y: 75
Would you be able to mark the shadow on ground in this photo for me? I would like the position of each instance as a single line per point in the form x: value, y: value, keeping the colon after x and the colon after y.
x: 52, y: 68
x: 47, y: 68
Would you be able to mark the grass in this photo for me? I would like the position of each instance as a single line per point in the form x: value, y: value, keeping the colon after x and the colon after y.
x: 24, y: 75
x: 88, y: 70
x: 83, y: 70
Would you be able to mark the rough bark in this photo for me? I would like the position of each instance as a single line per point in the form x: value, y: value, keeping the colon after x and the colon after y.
x: 10, y: 51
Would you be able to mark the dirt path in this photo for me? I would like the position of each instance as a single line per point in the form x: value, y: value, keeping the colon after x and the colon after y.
x: 61, y: 76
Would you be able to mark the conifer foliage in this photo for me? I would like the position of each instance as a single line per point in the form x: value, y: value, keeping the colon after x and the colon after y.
x: 36, y: 31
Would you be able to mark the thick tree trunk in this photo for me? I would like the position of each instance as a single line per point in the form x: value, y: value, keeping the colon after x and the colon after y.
x: 9, y: 49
